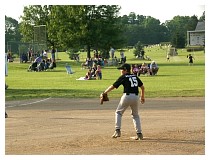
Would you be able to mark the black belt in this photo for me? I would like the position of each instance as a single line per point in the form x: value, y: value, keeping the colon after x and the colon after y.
x: 131, y: 93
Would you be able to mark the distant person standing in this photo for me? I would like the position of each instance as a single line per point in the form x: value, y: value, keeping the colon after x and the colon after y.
x: 53, y: 53
x: 190, y: 57
x: 168, y: 57
x: 122, y: 55
x: 45, y: 54
x: 112, y: 52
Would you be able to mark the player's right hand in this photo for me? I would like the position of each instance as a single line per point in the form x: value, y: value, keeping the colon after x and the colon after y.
x: 142, y: 100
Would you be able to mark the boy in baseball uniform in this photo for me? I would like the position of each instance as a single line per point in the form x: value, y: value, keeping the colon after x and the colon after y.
x: 130, y: 98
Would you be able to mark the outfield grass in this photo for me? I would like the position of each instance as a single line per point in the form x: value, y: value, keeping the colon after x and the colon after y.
x: 174, y: 79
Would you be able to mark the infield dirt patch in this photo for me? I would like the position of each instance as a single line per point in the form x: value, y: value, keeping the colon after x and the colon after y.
x: 171, y: 126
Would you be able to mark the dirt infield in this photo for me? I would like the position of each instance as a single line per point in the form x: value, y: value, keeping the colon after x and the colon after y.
x: 171, y: 126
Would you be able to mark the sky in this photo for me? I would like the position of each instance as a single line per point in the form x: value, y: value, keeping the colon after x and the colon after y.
x: 161, y: 9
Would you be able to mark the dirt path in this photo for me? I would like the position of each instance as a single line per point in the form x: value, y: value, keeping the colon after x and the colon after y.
x: 171, y: 126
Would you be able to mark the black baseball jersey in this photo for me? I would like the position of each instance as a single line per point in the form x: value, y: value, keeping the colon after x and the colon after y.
x: 130, y: 83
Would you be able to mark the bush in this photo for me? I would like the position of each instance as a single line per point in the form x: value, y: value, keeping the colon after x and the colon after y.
x: 139, y: 51
x: 194, y: 48
x: 72, y: 53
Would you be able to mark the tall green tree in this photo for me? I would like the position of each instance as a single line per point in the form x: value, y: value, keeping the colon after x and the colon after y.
x: 33, y: 15
x: 91, y: 26
x: 146, y: 29
x: 12, y: 34
x: 75, y: 26
x: 178, y: 28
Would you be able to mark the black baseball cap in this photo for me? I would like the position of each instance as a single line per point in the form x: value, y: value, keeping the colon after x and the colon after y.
x: 125, y: 66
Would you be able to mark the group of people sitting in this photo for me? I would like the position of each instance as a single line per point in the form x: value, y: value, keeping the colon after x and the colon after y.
x: 149, y: 69
x: 41, y: 64
x: 94, y: 72
x: 89, y: 62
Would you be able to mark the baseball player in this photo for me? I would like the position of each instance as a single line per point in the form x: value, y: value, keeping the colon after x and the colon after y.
x: 130, y: 97
x: 6, y: 74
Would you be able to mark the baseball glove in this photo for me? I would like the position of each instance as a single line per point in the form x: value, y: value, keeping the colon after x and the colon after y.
x: 103, y: 97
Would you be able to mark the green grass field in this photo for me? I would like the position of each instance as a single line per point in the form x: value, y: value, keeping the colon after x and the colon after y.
x: 174, y: 79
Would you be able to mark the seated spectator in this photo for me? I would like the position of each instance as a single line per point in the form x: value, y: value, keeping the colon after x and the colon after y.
x: 98, y: 72
x: 153, y: 68
x: 99, y: 61
x: 33, y: 66
x: 47, y: 64
x: 135, y: 69
x: 144, y: 69
x: 91, y: 74
x: 40, y: 66
x: 93, y: 70
x: 88, y: 74
x: 24, y: 58
x: 38, y: 59
x: 88, y: 63
x: 52, y: 65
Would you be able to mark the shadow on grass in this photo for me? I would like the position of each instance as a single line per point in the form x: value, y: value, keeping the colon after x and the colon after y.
x: 24, y: 94
x: 20, y: 94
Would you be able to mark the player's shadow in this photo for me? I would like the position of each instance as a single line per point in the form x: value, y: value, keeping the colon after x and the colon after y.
x: 166, y: 140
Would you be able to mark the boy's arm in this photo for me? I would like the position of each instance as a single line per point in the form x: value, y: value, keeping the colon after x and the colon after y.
x: 142, y: 94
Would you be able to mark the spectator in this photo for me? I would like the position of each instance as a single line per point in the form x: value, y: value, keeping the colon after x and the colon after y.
x: 41, y: 66
x: 38, y: 59
x: 33, y: 66
x: 45, y: 54
x: 153, y: 68
x: 98, y: 72
x: 144, y: 69
x: 53, y: 53
x: 93, y: 71
x: 30, y: 54
x: 112, y: 52
x: 135, y: 69
x: 123, y: 57
x: 88, y: 75
x: 9, y: 57
x: 24, y: 58
x: 47, y: 64
x: 52, y: 65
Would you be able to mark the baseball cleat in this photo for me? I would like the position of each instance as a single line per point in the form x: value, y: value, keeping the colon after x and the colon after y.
x: 139, y: 136
x: 116, y: 134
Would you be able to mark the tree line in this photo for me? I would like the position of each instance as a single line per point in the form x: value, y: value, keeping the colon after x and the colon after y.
x: 96, y: 27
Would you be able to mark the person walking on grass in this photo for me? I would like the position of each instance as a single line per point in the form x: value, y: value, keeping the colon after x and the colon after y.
x: 190, y: 57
